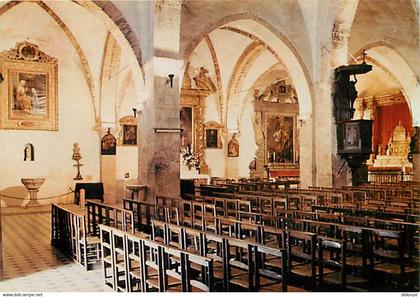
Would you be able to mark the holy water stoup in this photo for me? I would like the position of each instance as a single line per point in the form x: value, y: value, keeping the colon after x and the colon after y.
x: 77, y: 157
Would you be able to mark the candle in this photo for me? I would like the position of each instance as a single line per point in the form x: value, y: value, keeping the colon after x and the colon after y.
x: 274, y: 157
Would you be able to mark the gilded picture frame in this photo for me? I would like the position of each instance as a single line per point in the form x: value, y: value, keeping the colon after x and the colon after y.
x: 280, y: 130
x: 128, y: 131
x: 29, y: 91
x: 213, y: 135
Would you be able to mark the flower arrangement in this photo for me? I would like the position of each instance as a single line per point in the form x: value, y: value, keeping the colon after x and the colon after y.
x: 188, y: 158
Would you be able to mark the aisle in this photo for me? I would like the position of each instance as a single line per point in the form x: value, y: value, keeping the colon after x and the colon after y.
x: 32, y: 264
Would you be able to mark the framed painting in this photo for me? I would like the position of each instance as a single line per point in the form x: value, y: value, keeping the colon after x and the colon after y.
x: 280, y: 138
x: 108, y: 144
x: 233, y: 147
x: 213, y: 135
x: 128, y: 131
x: 29, y: 90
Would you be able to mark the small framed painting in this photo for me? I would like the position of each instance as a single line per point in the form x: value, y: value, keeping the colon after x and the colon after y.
x: 213, y: 135
x: 128, y: 131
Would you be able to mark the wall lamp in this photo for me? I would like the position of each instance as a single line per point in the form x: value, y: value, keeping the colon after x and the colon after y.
x: 171, y: 79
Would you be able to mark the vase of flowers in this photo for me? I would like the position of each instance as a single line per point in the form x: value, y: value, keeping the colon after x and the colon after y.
x: 189, y: 159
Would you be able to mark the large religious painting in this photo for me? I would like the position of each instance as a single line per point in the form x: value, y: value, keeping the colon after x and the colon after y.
x: 29, y: 89
x: 186, y: 123
x: 279, y: 138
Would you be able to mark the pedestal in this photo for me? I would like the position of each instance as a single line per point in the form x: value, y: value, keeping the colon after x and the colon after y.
x: 32, y: 198
x: 32, y: 185
x: 136, y: 190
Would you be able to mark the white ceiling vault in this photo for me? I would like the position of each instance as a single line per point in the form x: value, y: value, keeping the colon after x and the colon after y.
x: 247, y: 53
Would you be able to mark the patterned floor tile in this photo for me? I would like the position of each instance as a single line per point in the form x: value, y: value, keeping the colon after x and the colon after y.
x: 32, y: 264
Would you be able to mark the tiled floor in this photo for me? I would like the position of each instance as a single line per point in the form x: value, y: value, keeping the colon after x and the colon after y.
x: 32, y: 264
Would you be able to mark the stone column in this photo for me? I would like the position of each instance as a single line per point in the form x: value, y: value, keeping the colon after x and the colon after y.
x: 159, y: 144
x: 307, y: 147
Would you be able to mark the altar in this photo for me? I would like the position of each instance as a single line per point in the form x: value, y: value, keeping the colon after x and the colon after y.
x: 394, y: 166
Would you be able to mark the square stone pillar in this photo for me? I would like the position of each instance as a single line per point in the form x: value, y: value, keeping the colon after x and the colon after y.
x: 159, y: 132
x: 108, y: 178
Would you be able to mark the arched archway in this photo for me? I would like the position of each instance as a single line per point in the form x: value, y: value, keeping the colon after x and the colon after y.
x: 264, y: 47
x: 387, y: 55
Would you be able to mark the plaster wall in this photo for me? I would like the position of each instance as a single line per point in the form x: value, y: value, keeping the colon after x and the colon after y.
x: 53, y: 150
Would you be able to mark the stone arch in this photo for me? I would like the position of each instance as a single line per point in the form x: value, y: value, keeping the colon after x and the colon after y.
x: 121, y: 29
x: 120, y: 22
x: 243, y: 64
x: 387, y: 56
x: 282, y: 49
x: 85, y: 64
x: 286, y: 53
x: 260, y: 23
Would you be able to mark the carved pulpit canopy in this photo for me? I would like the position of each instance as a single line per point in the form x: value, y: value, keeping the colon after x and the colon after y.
x: 344, y: 90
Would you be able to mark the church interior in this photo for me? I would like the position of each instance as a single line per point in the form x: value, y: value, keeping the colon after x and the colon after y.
x: 218, y: 146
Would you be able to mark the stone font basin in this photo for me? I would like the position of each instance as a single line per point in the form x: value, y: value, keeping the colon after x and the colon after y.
x: 32, y: 184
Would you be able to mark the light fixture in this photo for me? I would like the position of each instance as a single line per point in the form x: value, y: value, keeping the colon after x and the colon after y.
x: 135, y: 112
x: 171, y: 79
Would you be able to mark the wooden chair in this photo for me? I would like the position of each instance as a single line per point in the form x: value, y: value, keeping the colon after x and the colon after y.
x: 152, y: 266
x: 238, y: 265
x: 268, y: 277
x: 119, y: 259
x: 135, y: 280
x: 107, y: 255
x: 334, y: 272
x: 391, y: 260
x: 88, y: 246
x: 301, y: 255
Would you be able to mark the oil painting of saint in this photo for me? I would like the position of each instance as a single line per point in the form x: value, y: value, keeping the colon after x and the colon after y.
x: 211, y: 138
x: 130, y: 134
x: 233, y: 147
x: 29, y: 94
x: 108, y: 144
x: 280, y: 139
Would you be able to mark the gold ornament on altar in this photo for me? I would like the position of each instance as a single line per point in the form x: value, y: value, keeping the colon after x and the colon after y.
x: 399, y: 143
